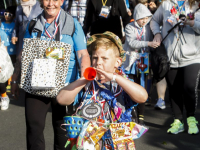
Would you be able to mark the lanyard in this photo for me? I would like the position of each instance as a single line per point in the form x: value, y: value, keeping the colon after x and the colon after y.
x: 181, y: 7
x: 104, y: 3
x: 114, y: 90
x: 94, y: 91
x: 56, y: 27
x: 140, y: 33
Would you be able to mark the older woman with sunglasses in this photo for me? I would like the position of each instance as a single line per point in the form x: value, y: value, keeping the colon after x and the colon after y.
x: 36, y: 107
x: 28, y: 10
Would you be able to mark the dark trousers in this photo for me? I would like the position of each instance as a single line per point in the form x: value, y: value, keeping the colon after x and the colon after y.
x: 182, y: 84
x: 2, y: 88
x: 140, y: 108
x: 36, y: 108
x: 13, y: 59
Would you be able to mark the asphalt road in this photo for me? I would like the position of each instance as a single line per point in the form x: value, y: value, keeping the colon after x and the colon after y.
x: 13, y: 130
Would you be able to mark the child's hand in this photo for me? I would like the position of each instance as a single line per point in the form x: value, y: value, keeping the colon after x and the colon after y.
x: 104, y: 76
x: 153, y: 44
x: 129, y: 12
x: 14, y: 40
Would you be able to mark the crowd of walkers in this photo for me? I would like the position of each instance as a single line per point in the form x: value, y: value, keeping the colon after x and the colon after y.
x: 133, y: 30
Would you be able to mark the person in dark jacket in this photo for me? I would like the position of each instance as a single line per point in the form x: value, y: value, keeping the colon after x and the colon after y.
x: 28, y: 10
x: 102, y: 15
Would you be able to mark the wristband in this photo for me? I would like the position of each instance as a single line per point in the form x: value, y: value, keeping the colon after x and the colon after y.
x: 13, y: 82
x: 114, y: 77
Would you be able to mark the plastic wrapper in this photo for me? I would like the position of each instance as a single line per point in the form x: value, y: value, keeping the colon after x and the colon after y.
x: 98, y: 145
x: 84, y: 142
x: 172, y: 20
x: 121, y: 146
x: 80, y: 140
x: 122, y: 136
x: 5, y: 64
x: 91, y: 129
x: 97, y: 135
x: 107, y: 141
x: 130, y: 145
x: 137, y: 130
x: 55, y: 53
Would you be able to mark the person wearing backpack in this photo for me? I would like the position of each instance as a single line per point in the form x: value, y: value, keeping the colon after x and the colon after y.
x: 36, y: 107
x: 182, y: 47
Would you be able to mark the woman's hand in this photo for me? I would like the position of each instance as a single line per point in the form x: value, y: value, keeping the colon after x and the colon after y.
x: 188, y: 22
x: 14, y: 40
x: 157, y: 38
x: 104, y: 76
x: 15, y: 90
x: 153, y: 44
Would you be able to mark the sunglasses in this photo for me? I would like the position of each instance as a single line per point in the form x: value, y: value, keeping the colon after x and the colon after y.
x: 8, y: 14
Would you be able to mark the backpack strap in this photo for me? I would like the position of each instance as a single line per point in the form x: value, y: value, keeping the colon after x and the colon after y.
x: 32, y: 25
x: 69, y: 25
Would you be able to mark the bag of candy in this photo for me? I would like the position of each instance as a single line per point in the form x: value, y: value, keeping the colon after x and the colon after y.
x: 122, y: 136
x: 90, y: 136
x: 107, y: 141
x: 137, y: 130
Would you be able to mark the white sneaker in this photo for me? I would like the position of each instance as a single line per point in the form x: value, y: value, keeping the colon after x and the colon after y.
x: 5, y: 103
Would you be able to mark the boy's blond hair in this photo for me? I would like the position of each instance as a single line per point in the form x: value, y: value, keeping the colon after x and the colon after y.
x: 104, y: 42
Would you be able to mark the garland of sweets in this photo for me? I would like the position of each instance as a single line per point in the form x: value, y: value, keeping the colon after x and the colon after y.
x: 109, y: 128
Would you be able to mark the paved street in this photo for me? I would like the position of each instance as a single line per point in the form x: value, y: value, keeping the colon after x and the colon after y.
x: 12, y: 130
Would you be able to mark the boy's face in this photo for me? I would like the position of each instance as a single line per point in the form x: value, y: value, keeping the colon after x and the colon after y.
x: 143, y: 21
x: 8, y: 16
x: 105, y: 59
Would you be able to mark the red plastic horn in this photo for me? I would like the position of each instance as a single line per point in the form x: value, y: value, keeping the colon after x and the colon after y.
x: 90, y: 73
